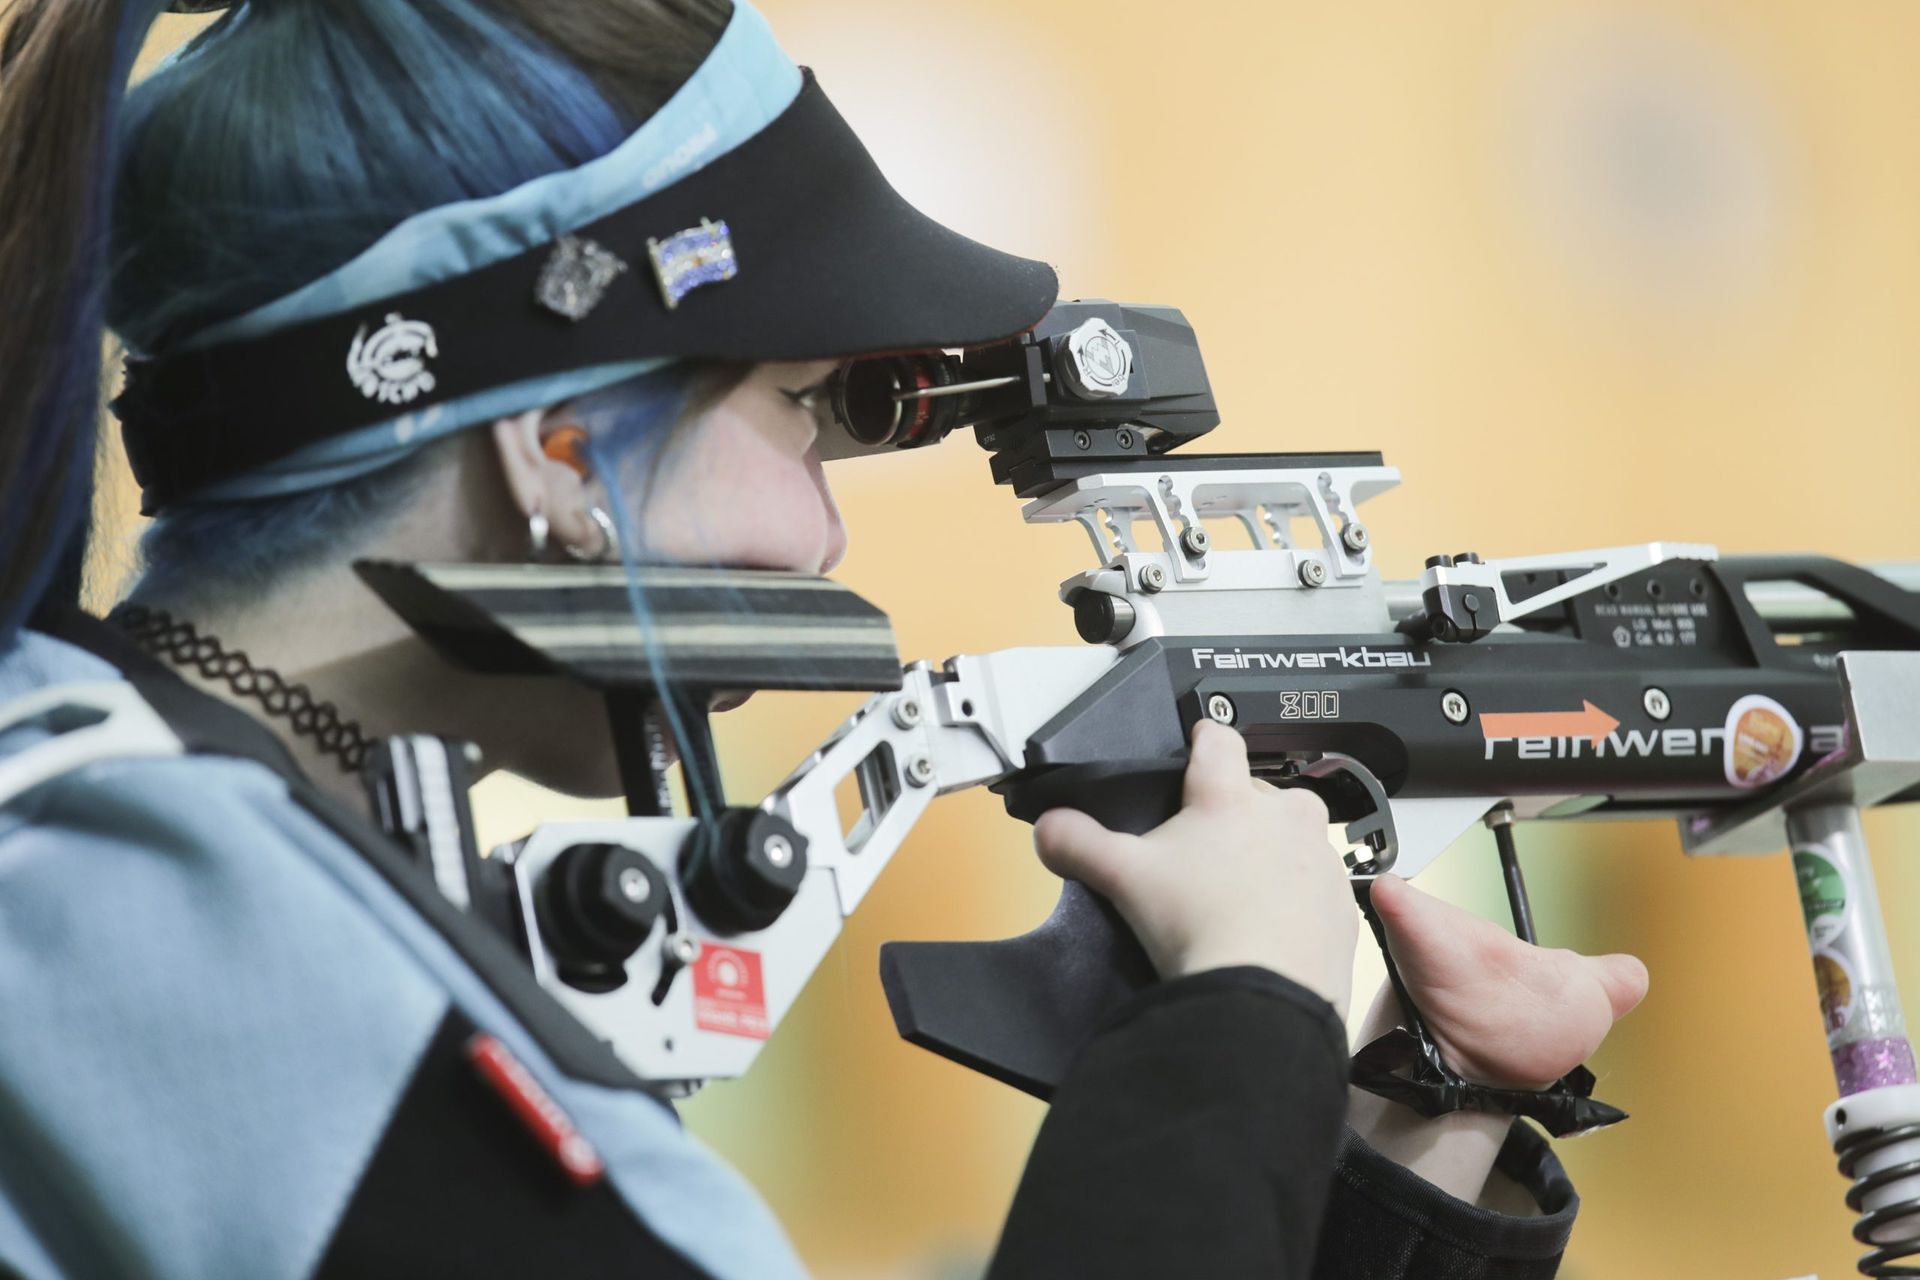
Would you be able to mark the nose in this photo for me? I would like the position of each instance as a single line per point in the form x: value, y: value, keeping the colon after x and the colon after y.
x: 836, y: 543
x: 835, y: 549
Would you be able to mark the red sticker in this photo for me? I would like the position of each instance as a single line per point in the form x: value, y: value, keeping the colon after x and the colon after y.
x: 727, y: 993
x: 551, y: 1127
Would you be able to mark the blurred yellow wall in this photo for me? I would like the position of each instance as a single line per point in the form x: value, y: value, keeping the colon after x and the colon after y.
x: 1589, y: 273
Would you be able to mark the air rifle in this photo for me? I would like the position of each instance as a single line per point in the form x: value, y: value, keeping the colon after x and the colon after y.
x: 1761, y: 702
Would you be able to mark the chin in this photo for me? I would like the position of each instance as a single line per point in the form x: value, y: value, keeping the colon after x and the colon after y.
x: 596, y: 778
x: 559, y: 740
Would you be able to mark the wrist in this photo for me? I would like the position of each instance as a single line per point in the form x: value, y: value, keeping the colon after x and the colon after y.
x: 1384, y: 1014
x: 1455, y: 1152
x: 1336, y: 990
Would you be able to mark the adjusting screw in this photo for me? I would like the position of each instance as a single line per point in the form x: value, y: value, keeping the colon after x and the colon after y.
x: 920, y: 771
x: 1152, y: 578
x: 633, y: 886
x: 1220, y: 707
x: 1313, y: 573
x: 906, y: 712
x: 1453, y: 705
x: 682, y: 948
x: 1083, y: 440
x: 1354, y: 537
x: 1195, y: 541
x: 779, y: 851
x: 1657, y: 704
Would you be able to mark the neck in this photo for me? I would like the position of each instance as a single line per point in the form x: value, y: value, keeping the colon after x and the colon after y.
x: 321, y: 635
x: 324, y: 628
x: 333, y: 635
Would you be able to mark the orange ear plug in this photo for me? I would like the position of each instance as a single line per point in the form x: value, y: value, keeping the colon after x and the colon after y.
x: 568, y: 447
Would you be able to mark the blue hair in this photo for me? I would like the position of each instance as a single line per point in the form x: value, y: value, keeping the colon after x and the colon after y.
x: 294, y: 133
x: 280, y: 143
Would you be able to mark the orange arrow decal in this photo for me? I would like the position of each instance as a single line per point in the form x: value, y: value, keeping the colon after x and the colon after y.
x: 1590, y: 722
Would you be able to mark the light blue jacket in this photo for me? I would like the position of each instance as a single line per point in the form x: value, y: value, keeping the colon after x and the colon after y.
x: 209, y: 1005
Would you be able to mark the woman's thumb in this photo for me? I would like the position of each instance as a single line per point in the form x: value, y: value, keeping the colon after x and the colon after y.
x: 1625, y: 980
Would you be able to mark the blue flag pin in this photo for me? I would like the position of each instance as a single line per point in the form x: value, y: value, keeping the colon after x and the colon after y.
x: 688, y: 259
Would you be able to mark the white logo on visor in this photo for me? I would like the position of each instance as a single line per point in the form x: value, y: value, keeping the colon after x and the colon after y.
x: 676, y: 161
x: 391, y: 366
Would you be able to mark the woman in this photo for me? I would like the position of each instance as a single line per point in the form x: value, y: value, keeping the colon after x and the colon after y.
x: 485, y: 280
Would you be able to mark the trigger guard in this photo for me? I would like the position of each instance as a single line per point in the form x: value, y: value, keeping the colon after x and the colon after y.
x: 1373, y: 829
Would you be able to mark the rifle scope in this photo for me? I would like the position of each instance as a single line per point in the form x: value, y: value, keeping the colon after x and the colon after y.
x: 1094, y: 378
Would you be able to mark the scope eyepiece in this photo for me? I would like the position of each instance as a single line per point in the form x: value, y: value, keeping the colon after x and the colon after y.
x: 882, y: 400
x: 1093, y: 381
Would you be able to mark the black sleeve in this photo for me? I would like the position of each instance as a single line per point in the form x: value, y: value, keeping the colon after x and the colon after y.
x: 1193, y: 1137
x: 1385, y: 1222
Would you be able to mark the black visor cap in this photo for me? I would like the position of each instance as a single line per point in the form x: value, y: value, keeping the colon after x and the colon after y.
x: 832, y: 263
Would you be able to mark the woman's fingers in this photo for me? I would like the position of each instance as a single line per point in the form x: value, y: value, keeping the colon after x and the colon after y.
x: 1074, y: 846
x: 1216, y: 767
x: 1241, y: 875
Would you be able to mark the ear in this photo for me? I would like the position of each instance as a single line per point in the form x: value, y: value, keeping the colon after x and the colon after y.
x: 543, y: 472
x: 517, y: 441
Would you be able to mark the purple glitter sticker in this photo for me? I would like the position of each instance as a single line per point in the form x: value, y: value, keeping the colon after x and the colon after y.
x: 1873, y: 1064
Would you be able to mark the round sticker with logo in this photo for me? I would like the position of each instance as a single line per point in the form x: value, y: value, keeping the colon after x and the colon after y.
x: 1835, y: 981
x: 1823, y: 894
x: 1763, y: 742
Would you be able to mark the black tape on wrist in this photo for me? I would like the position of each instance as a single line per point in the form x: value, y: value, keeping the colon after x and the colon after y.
x: 1432, y: 1088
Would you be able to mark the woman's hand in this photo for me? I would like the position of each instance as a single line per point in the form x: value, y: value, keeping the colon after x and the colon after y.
x: 1243, y: 874
x: 1503, y: 1012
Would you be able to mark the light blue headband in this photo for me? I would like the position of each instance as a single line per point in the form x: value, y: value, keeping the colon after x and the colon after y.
x: 745, y: 83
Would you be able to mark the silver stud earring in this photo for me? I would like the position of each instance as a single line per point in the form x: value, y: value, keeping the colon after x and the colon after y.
x: 538, y: 530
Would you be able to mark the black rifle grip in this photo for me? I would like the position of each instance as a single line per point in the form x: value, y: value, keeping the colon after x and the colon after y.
x: 1020, y: 1009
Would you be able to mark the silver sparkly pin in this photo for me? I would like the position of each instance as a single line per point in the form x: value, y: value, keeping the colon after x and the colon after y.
x: 688, y: 259
x: 576, y: 277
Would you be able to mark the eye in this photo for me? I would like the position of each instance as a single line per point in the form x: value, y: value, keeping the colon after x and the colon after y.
x: 808, y: 398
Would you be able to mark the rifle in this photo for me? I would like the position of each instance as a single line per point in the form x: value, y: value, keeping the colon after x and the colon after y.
x: 1761, y: 702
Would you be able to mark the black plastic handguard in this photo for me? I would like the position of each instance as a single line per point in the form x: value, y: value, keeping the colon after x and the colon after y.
x: 1020, y: 1009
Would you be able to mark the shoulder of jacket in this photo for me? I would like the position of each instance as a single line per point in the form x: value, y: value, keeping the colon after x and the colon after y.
x: 77, y: 725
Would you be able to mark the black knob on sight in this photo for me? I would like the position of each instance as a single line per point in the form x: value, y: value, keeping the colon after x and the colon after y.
x: 741, y: 872
x: 1101, y: 618
x: 597, y: 903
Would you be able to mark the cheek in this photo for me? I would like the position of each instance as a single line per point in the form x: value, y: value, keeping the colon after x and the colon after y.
x: 736, y: 499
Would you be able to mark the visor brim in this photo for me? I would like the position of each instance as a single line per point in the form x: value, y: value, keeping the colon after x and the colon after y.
x: 828, y: 262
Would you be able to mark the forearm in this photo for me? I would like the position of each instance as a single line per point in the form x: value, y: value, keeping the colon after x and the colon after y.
x: 1194, y: 1136
x: 1467, y: 1195
x: 1454, y: 1152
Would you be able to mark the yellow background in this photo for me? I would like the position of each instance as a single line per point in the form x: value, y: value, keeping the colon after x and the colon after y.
x: 1589, y: 273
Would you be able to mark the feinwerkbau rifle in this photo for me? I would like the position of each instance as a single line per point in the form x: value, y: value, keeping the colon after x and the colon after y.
x: 1762, y: 702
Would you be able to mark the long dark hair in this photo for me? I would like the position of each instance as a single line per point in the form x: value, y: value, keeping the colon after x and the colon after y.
x: 278, y: 144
